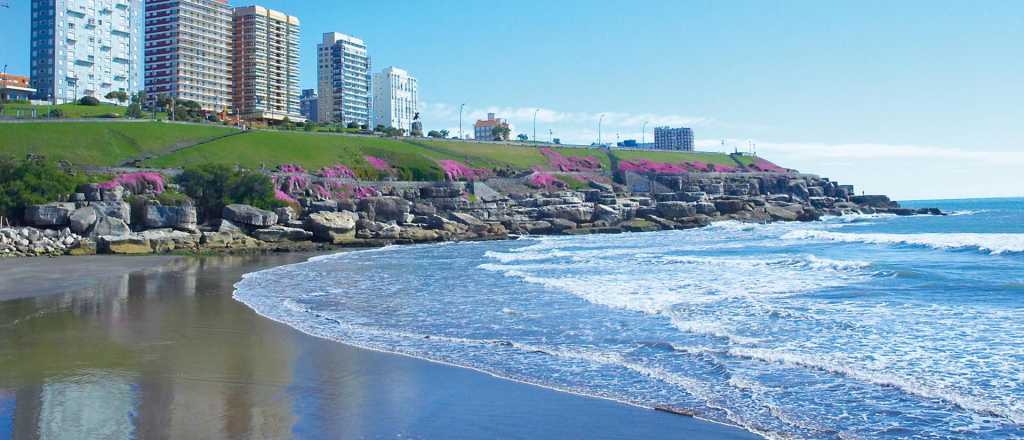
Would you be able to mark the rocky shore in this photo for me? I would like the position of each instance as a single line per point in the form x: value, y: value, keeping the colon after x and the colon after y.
x: 111, y: 221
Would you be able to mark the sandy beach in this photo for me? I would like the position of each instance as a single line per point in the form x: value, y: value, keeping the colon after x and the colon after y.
x: 155, y: 347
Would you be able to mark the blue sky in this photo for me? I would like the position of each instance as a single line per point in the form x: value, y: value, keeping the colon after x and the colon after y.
x: 915, y: 99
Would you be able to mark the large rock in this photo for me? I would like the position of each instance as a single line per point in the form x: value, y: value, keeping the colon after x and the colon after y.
x: 177, y: 217
x: 578, y: 213
x: 484, y: 192
x: 249, y: 215
x: 286, y: 214
x: 607, y: 214
x: 115, y: 194
x: 276, y: 234
x: 121, y: 210
x: 465, y: 219
x: 82, y: 220
x: 124, y: 244
x: 782, y: 213
x: 334, y: 227
x: 50, y: 214
x: 730, y: 206
x: 676, y: 210
x: 169, y: 240
x: 874, y: 201
x: 385, y: 209
x: 109, y: 226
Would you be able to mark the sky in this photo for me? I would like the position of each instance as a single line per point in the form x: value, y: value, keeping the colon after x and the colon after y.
x: 915, y: 99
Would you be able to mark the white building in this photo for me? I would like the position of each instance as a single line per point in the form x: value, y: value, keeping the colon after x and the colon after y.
x: 85, y: 48
x: 395, y: 98
x: 343, y: 79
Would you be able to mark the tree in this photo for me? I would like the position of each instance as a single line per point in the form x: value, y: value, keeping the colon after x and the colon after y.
x: 522, y: 137
x: 501, y: 132
x: 394, y: 132
x: 557, y: 141
x: 353, y: 124
x: 89, y: 101
x: 379, y: 128
x: 444, y: 134
x: 434, y: 134
x: 120, y: 95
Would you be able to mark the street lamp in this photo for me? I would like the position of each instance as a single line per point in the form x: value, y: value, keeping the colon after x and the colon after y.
x: 460, y: 120
x: 643, y: 133
x: 535, y: 125
x: 599, y: 121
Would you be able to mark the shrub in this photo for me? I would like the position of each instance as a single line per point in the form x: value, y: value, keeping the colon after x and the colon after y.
x: 89, y: 101
x: 31, y: 183
x: 212, y: 186
x: 173, y: 198
x: 56, y: 113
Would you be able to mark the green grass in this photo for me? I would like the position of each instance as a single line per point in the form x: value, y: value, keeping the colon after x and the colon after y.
x: 675, y: 156
x: 70, y: 110
x: 96, y: 143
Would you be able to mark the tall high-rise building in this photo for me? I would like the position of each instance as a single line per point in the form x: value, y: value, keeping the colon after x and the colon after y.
x: 308, y: 103
x: 395, y: 98
x: 188, y: 51
x: 666, y: 138
x: 265, y: 66
x: 343, y: 79
x: 84, y: 48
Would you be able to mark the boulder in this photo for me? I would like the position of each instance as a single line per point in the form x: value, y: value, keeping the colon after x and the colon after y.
x: 91, y: 191
x: 178, y: 217
x: 577, y: 213
x: 121, y: 210
x: 559, y: 225
x: 730, y: 206
x: 82, y: 219
x: 607, y: 214
x: 418, y: 235
x: 782, y: 213
x: 484, y: 192
x: 320, y: 206
x: 440, y: 192
x: 874, y: 201
x: 275, y: 234
x: 109, y: 226
x: 603, y: 187
x: 420, y: 208
x: 334, y: 227
x: 50, y: 214
x: 385, y: 209
x: 229, y: 228
x: 465, y: 219
x: 286, y: 214
x: 249, y: 215
x: 115, y: 194
x: 124, y: 244
x: 168, y: 240
x: 675, y: 210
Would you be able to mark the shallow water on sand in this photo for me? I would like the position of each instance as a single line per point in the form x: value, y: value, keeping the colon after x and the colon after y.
x: 862, y: 327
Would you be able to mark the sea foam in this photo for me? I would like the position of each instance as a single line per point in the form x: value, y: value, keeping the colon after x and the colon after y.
x: 989, y: 243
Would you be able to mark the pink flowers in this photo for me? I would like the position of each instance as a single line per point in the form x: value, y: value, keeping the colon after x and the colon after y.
x: 337, y: 172
x: 766, y: 166
x: 570, y: 164
x: 647, y: 166
x: 378, y: 164
x: 284, y: 197
x: 541, y: 179
x: 137, y: 183
x: 292, y: 169
x: 455, y: 170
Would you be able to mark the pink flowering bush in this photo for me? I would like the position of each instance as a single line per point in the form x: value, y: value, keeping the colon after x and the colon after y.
x: 455, y: 170
x: 362, y: 192
x: 137, y: 183
x: 647, y: 166
x: 571, y: 163
x: 379, y: 164
x: 766, y: 166
x: 292, y: 169
x: 541, y: 179
x: 284, y: 197
x: 337, y: 172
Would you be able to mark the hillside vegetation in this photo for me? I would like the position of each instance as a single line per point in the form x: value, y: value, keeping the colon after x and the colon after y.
x: 167, y: 145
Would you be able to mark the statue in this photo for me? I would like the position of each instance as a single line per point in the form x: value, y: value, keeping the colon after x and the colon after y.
x: 417, y: 126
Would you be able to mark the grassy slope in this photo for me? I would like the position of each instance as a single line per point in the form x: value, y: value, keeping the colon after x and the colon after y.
x: 70, y: 110
x: 84, y: 143
x: 675, y: 157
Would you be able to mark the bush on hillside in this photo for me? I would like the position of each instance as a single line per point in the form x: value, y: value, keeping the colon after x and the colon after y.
x: 89, y: 100
x: 212, y: 186
x: 24, y: 183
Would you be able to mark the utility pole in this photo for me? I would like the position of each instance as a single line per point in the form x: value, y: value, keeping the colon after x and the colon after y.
x: 460, y: 120
x: 643, y: 134
x: 600, y: 143
x: 535, y: 125
x: 551, y: 136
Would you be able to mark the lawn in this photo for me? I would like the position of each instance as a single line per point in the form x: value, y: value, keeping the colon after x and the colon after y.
x: 100, y: 143
x: 676, y: 156
x: 70, y: 110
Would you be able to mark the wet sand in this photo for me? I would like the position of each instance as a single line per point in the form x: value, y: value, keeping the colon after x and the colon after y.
x: 155, y: 348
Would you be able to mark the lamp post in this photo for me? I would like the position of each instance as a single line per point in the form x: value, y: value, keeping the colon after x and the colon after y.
x: 535, y: 125
x: 643, y: 133
x: 460, y: 120
x: 600, y: 143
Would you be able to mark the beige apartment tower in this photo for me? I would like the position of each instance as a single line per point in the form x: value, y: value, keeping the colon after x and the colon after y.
x: 265, y: 65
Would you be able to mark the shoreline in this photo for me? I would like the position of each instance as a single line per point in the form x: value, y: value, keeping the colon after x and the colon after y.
x: 482, y: 398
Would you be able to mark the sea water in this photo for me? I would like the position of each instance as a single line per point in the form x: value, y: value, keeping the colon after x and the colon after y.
x: 867, y: 326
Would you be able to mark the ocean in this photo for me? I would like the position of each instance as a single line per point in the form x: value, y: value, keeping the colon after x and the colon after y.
x: 868, y: 326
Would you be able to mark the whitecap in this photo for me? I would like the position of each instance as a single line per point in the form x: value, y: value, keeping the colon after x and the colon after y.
x: 990, y: 243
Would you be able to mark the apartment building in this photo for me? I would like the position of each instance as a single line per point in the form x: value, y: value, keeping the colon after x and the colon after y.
x: 188, y: 51
x: 84, y: 48
x: 308, y: 103
x: 343, y: 79
x: 667, y: 138
x: 483, y: 129
x: 265, y: 65
x: 395, y: 99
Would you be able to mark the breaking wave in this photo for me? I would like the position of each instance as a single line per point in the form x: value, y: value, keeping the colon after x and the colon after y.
x: 989, y: 243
